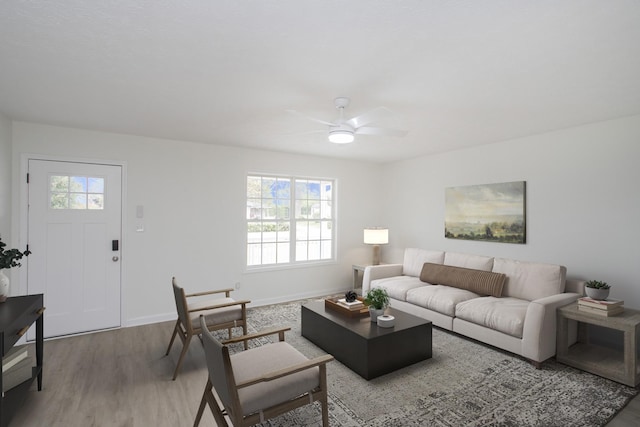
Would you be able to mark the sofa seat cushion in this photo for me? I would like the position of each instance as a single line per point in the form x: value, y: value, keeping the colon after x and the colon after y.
x: 442, y: 299
x: 504, y: 314
x: 478, y: 281
x: 398, y: 286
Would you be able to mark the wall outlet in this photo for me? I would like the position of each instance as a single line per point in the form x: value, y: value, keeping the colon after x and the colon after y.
x: 237, y: 285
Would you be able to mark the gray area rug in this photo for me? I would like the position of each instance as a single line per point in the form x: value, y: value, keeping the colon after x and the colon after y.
x: 464, y: 384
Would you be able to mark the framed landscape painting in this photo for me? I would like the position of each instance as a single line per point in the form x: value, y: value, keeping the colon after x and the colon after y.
x: 488, y: 212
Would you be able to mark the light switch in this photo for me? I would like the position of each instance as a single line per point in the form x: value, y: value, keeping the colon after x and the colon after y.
x: 139, y: 211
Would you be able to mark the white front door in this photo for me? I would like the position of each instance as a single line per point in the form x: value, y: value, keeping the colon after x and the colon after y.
x: 74, y: 227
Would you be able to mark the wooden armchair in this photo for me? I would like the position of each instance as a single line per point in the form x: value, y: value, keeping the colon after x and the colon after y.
x: 260, y: 383
x: 219, y: 313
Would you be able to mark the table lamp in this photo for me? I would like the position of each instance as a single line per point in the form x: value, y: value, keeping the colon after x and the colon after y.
x: 376, y: 237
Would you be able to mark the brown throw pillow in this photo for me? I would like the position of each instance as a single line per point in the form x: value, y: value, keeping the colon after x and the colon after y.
x: 477, y: 281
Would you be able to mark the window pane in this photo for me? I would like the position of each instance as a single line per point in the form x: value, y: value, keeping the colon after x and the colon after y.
x: 314, y: 230
x: 96, y: 185
x: 284, y: 234
x: 59, y: 183
x: 301, y: 251
x: 78, y: 201
x: 302, y: 230
x: 325, y: 190
x: 269, y: 232
x: 325, y: 231
x: 96, y: 201
x: 283, y: 252
x: 254, y: 254
x: 314, y: 250
x: 254, y: 208
x: 268, y: 187
x: 254, y: 189
x: 60, y: 201
x: 326, y: 249
x: 269, y: 253
x: 78, y: 184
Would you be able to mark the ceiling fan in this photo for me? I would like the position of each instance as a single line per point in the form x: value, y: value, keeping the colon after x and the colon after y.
x: 343, y: 131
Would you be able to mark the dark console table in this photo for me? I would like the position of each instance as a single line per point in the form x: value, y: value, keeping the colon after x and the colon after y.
x: 17, y: 314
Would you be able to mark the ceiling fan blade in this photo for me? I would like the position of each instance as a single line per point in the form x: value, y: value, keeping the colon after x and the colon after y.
x: 367, y: 130
x: 310, y: 118
x: 369, y: 117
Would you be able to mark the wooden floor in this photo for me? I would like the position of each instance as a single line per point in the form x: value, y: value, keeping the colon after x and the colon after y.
x: 122, y: 378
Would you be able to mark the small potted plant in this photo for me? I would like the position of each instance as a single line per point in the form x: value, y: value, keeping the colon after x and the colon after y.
x: 596, y: 289
x: 8, y: 258
x: 377, y: 299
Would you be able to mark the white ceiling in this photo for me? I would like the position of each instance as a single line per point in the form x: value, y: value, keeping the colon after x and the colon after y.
x: 455, y: 73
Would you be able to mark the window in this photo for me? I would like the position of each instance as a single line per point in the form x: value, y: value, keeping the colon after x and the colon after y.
x: 289, y: 220
x: 76, y: 192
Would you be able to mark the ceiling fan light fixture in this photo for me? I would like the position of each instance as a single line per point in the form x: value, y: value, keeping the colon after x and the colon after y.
x: 341, y: 136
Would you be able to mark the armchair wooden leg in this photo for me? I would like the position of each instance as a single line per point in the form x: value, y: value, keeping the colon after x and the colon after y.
x: 209, y: 398
x: 173, y: 337
x: 324, y: 404
x: 244, y: 332
x: 325, y: 412
x: 203, y: 404
x: 185, y: 348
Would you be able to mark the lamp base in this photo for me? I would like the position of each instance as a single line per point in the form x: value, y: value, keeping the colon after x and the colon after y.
x: 376, y: 254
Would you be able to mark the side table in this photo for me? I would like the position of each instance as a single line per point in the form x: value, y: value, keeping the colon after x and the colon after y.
x: 17, y: 314
x: 620, y: 366
x: 358, y: 269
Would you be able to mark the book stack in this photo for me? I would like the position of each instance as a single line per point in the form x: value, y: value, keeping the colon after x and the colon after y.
x: 609, y: 307
x: 16, y: 368
x: 355, y: 305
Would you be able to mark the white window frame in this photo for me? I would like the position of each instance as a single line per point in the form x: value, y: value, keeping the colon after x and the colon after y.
x: 323, y: 212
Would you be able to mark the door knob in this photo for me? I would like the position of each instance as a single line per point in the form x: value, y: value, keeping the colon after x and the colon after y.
x: 115, y: 259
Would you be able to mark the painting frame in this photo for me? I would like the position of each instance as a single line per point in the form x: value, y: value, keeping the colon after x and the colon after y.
x: 486, y: 212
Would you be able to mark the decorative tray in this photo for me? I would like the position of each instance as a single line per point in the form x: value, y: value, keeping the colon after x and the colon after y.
x: 332, y: 304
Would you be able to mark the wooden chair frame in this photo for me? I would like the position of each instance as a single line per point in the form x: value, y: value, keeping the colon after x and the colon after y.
x: 234, y: 411
x: 186, y: 330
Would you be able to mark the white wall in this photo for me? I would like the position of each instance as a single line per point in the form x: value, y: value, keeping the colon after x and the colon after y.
x: 583, y: 200
x: 5, y: 179
x: 194, y: 206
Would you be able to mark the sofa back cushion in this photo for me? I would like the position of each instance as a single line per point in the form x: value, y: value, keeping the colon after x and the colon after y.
x: 530, y: 280
x: 415, y: 258
x: 477, y: 262
x: 477, y: 281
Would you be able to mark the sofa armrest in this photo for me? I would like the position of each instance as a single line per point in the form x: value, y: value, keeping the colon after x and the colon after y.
x: 373, y: 272
x: 575, y: 285
x: 539, y: 331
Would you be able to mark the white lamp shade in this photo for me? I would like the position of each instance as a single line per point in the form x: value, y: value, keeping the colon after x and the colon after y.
x: 376, y: 236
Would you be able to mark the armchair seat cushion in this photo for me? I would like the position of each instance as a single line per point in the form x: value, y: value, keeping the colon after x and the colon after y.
x: 397, y: 287
x: 442, y: 299
x: 254, y: 362
x: 504, y: 314
x: 218, y: 315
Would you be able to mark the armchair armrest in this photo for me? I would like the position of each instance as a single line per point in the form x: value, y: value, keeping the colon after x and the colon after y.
x: 270, y: 376
x: 260, y: 334
x: 539, y: 331
x: 373, y: 272
x: 226, y: 304
x: 215, y: 291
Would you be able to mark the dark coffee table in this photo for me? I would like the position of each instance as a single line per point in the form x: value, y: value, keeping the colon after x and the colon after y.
x: 363, y: 346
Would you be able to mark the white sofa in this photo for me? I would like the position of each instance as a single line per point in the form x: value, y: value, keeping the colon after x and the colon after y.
x: 521, y: 318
